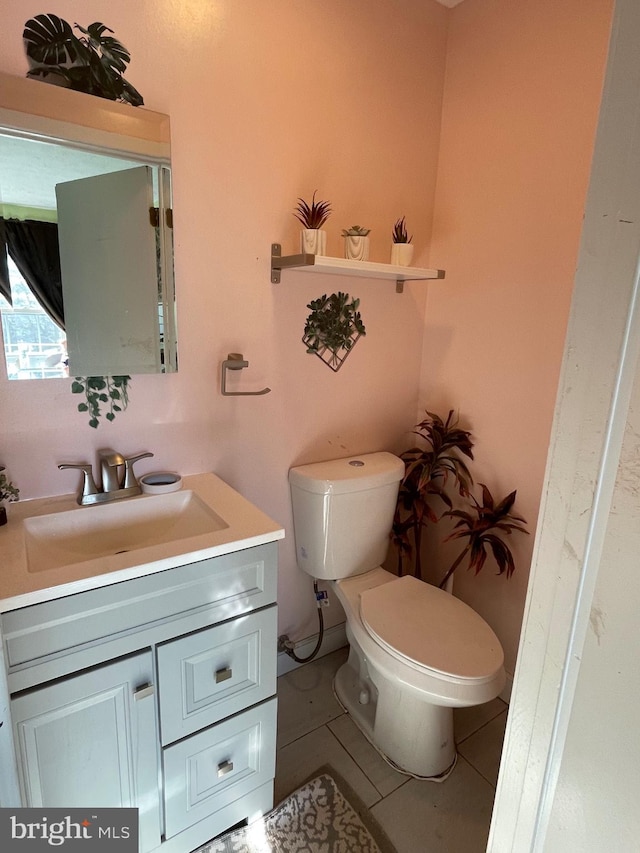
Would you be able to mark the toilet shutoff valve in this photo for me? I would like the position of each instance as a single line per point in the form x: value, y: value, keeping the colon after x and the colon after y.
x: 322, y: 598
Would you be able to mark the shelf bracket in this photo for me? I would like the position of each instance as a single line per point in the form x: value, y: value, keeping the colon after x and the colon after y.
x: 235, y: 361
x: 279, y: 263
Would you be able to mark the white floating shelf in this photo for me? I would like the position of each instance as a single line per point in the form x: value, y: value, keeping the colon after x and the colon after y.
x: 342, y: 266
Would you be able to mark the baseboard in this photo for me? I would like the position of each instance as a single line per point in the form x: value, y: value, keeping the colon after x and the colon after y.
x: 334, y: 638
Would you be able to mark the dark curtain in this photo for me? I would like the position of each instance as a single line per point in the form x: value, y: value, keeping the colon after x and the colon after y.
x: 34, y: 248
x: 5, y: 286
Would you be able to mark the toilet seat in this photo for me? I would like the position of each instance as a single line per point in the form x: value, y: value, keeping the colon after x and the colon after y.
x: 426, y: 627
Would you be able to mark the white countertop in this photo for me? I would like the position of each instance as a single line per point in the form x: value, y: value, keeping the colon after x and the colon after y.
x: 246, y: 527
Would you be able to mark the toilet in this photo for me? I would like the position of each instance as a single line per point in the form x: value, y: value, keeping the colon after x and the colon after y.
x: 415, y: 651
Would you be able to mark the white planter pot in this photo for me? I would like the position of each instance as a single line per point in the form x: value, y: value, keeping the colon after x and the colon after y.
x: 313, y: 241
x: 356, y: 247
x: 401, y: 254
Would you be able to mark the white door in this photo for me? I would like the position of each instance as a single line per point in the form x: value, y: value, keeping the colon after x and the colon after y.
x: 91, y: 741
x: 570, y: 771
x: 109, y: 266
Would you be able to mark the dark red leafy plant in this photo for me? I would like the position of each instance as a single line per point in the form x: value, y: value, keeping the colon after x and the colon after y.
x: 483, y: 527
x: 312, y: 215
x: 428, y: 470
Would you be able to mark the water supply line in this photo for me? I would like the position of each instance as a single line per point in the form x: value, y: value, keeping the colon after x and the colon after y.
x: 286, y: 645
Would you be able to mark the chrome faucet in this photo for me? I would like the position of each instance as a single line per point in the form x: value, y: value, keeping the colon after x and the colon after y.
x: 118, y: 479
x: 111, y: 464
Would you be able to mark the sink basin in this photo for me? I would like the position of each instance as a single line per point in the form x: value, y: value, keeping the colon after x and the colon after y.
x: 87, y: 533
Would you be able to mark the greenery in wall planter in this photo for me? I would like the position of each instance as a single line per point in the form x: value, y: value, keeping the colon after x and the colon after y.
x: 8, y: 493
x: 99, y: 390
x: 333, y: 328
x: 93, y: 62
x: 433, y: 471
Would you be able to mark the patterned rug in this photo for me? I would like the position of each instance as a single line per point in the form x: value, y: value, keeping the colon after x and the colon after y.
x: 317, y: 818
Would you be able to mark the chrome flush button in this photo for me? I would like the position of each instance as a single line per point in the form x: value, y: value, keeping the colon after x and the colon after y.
x: 357, y: 463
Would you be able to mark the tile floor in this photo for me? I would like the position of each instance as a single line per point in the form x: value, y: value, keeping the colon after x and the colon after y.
x: 451, y: 817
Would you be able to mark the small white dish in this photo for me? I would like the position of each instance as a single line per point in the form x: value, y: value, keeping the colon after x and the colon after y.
x: 160, y: 483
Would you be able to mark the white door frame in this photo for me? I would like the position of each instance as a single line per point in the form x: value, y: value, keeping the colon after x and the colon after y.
x: 601, y: 355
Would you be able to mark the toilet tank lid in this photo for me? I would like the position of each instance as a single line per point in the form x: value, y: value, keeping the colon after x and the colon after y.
x: 351, y: 474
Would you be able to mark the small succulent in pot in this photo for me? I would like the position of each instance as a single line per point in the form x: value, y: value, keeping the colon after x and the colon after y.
x: 312, y: 215
x: 400, y: 234
x: 356, y: 231
x: 313, y: 240
x: 356, y: 246
x: 401, y: 247
x: 8, y: 492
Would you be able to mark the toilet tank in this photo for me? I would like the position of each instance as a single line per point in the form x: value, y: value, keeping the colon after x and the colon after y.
x: 342, y: 513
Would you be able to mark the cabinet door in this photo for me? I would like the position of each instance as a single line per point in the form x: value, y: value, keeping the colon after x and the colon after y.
x: 91, y: 741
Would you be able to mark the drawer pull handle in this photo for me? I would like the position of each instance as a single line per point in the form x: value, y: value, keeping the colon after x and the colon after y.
x: 224, y: 768
x: 143, y: 691
x: 223, y: 674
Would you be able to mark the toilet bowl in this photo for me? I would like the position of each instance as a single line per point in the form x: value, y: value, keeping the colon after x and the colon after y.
x: 416, y: 652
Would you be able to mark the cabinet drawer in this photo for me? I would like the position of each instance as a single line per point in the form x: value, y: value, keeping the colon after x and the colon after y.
x: 212, y: 674
x: 232, y: 583
x: 214, y: 768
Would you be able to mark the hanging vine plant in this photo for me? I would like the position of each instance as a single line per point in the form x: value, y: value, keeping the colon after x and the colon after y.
x: 333, y: 328
x: 93, y: 62
x: 99, y: 390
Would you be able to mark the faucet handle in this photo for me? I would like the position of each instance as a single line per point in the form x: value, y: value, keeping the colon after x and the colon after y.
x: 88, y: 483
x: 129, y: 476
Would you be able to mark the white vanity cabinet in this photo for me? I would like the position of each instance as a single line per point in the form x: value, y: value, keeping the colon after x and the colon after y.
x: 156, y: 692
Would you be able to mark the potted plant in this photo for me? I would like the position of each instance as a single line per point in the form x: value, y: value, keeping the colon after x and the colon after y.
x: 429, y: 471
x: 93, y: 62
x: 401, y: 246
x: 356, y: 243
x: 8, y: 493
x: 333, y: 328
x: 313, y: 239
x: 482, y: 528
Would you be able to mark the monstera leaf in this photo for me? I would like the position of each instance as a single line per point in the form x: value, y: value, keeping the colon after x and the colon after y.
x: 50, y: 40
x: 93, y: 62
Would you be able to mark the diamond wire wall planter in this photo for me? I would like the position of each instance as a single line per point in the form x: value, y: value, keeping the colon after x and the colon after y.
x: 334, y: 360
x: 332, y: 329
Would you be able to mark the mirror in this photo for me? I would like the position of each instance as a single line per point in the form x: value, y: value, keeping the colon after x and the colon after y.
x: 86, y: 229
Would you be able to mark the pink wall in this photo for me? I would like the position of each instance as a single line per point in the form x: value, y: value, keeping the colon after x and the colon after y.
x: 271, y: 101
x: 522, y: 92
x: 268, y: 101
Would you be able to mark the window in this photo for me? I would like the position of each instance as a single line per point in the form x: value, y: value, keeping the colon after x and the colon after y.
x: 34, y: 346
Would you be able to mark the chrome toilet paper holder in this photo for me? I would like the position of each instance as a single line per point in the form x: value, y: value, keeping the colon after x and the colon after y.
x: 236, y: 361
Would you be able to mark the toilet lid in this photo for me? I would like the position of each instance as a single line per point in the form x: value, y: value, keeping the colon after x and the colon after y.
x: 429, y: 627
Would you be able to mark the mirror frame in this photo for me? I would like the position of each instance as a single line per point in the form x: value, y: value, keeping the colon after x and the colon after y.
x: 38, y: 110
